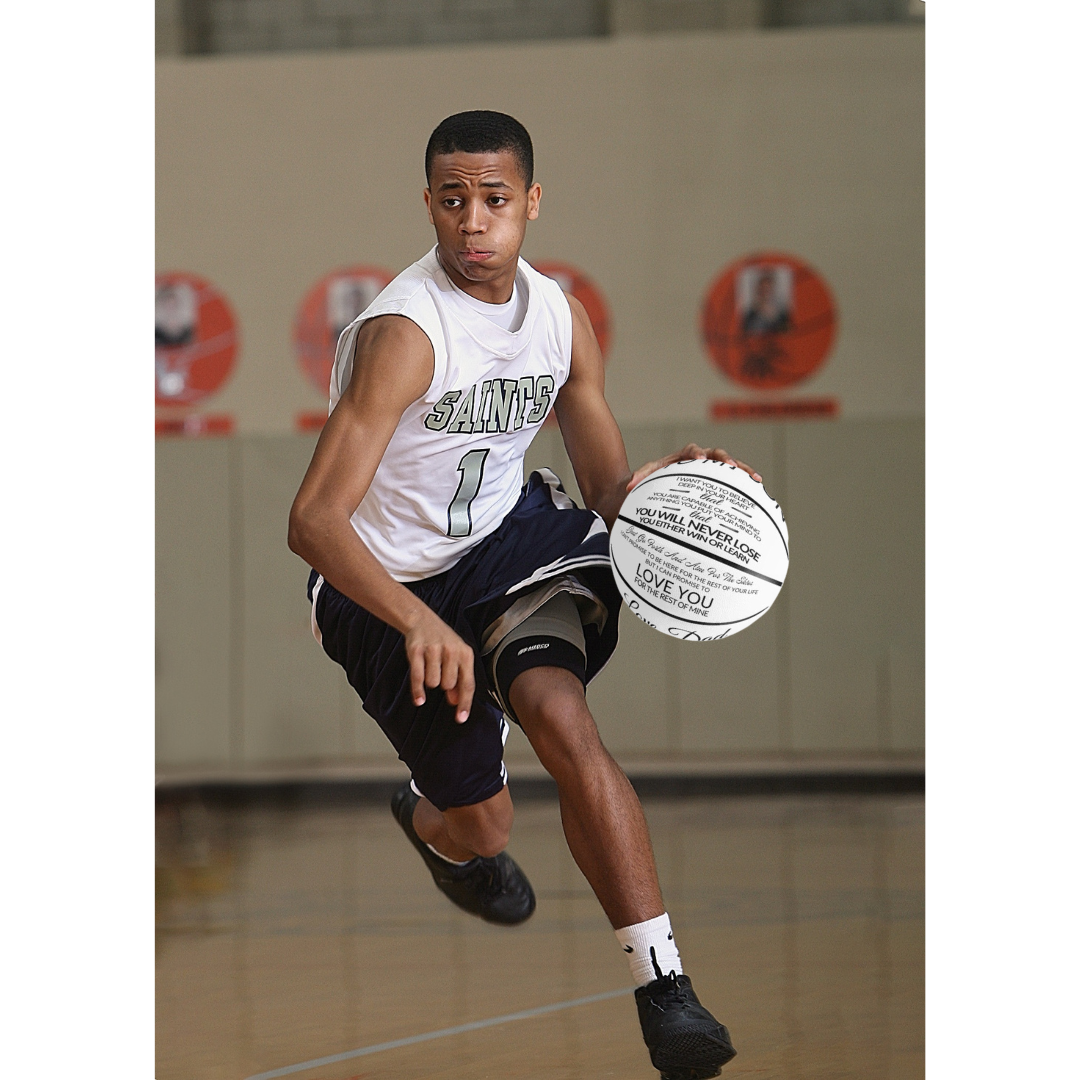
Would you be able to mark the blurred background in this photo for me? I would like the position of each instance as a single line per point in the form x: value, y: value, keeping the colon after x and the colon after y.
x: 734, y: 190
x: 695, y: 155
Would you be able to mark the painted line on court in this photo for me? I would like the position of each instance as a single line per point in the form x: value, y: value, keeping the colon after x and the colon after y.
x: 476, y: 1025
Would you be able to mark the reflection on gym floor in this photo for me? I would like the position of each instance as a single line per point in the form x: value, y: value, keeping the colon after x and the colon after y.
x: 290, y: 935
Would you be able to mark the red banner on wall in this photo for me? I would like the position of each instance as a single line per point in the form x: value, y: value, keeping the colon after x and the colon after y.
x: 194, y: 425
x: 793, y: 409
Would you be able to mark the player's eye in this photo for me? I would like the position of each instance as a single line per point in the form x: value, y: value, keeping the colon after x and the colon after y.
x: 497, y: 200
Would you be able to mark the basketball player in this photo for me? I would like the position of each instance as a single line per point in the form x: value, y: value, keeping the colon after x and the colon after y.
x: 455, y: 599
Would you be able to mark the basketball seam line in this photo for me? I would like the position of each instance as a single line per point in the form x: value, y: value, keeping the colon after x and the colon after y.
x: 674, y: 614
x: 739, y: 491
x: 698, y: 551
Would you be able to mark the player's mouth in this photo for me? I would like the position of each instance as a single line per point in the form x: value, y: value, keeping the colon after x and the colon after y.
x: 476, y: 256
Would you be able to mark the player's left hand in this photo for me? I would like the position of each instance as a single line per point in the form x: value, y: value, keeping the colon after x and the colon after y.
x: 693, y: 452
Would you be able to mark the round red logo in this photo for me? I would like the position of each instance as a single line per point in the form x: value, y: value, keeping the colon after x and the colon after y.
x: 573, y: 281
x: 195, y: 339
x: 329, y: 306
x: 768, y: 321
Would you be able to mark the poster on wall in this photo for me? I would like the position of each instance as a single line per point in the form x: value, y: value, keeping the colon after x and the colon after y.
x: 768, y: 323
x: 195, y: 346
x: 327, y: 308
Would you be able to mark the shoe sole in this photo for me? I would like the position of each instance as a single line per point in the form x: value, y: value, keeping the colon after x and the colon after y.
x: 711, y: 1059
x: 691, y: 1074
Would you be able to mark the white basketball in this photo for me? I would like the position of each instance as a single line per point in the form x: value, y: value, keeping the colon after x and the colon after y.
x: 699, y: 550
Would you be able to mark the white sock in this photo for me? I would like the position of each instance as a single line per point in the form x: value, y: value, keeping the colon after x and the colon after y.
x: 642, y: 940
x: 445, y: 859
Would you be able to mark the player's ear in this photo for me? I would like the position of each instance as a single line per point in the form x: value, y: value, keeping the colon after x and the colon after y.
x: 534, y: 202
x: 427, y: 203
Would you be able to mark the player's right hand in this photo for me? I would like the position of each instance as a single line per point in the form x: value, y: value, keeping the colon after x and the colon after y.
x: 439, y: 657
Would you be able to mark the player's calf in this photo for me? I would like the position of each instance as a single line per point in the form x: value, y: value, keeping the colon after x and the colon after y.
x: 463, y: 832
x: 493, y: 888
x: 608, y: 836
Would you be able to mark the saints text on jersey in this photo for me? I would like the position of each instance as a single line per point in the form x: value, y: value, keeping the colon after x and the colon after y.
x: 493, y: 405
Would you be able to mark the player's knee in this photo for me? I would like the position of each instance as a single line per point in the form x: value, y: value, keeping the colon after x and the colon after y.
x: 491, y: 842
x: 569, y: 755
x: 560, y: 727
x: 485, y: 827
x: 489, y: 837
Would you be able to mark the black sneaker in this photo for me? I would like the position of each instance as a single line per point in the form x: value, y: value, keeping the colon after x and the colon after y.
x: 495, y: 889
x: 685, y: 1040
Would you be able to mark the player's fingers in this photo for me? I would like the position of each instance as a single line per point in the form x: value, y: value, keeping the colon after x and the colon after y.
x: 416, y: 675
x: 465, y: 687
x: 692, y: 452
x: 718, y: 454
x: 747, y: 469
x: 642, y: 472
x: 449, y: 673
x: 432, y: 666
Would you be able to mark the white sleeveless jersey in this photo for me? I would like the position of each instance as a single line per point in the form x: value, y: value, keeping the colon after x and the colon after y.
x: 453, y: 468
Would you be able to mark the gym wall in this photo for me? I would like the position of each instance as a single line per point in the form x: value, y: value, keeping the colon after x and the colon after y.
x: 662, y: 159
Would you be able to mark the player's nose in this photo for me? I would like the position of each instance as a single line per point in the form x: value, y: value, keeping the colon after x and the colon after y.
x: 472, y: 221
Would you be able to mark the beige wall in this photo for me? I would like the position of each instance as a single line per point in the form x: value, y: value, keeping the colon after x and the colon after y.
x: 836, y: 666
x: 662, y: 159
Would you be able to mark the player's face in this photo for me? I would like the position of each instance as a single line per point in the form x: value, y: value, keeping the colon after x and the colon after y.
x: 479, y: 206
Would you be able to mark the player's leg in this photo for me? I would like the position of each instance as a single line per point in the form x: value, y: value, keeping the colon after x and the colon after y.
x: 457, y: 813
x: 461, y: 833
x: 491, y: 886
x: 540, y: 673
x: 609, y: 839
x: 465, y: 818
x: 602, y: 818
x: 538, y: 669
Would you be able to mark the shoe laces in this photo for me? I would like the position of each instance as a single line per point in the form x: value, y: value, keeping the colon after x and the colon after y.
x: 494, y: 882
x: 666, y: 990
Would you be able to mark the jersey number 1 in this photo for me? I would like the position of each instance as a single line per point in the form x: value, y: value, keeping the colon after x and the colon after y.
x: 459, y: 514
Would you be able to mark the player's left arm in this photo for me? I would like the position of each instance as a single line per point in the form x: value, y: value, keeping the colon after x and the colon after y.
x: 592, y: 437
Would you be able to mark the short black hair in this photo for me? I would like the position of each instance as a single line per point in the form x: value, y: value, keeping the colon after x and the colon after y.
x: 481, y: 132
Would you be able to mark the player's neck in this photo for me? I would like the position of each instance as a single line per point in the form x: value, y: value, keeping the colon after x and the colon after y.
x: 497, y: 290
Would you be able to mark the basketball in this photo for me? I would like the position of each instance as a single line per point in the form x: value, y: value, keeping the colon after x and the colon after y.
x: 699, y: 550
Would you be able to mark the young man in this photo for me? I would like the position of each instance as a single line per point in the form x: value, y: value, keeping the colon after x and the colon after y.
x: 453, y: 598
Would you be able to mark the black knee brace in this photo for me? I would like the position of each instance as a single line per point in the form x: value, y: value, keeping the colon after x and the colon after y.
x: 550, y: 637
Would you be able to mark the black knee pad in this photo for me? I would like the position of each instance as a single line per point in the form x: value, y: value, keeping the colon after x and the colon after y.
x: 550, y: 637
x: 539, y: 651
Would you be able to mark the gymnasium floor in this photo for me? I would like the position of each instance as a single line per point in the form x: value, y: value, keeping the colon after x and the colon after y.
x: 286, y: 936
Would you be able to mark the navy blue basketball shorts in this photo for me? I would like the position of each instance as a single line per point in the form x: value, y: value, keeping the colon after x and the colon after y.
x: 507, y: 599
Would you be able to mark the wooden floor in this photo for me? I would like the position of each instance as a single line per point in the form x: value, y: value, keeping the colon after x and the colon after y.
x: 286, y: 936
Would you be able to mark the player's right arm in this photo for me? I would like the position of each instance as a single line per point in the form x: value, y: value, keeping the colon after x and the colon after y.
x: 393, y: 366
